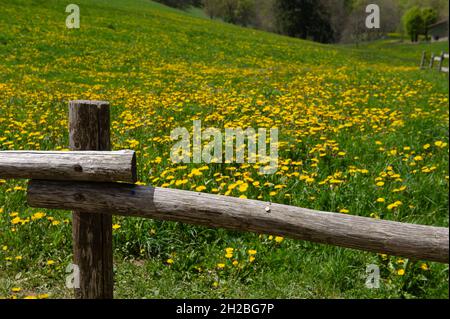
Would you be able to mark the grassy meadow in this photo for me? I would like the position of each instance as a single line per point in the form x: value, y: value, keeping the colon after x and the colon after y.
x: 363, y: 131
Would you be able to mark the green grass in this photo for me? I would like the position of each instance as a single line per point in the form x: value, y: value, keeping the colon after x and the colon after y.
x: 349, y: 117
x: 197, y: 12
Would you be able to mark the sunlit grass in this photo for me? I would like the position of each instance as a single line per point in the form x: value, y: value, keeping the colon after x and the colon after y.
x: 363, y: 132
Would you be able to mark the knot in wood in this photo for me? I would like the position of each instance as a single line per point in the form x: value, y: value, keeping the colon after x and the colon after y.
x: 79, y: 197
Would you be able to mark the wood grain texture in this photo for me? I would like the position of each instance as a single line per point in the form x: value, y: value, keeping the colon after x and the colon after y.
x: 89, y: 123
x: 94, y: 166
x: 379, y: 236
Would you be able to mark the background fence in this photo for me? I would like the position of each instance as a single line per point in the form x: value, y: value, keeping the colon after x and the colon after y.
x: 435, y: 60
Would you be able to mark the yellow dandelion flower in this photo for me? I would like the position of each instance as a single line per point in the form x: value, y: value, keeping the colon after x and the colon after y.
x: 440, y: 144
x: 37, y: 216
x: 243, y: 187
x: 279, y: 239
x: 424, y: 266
x: 200, y: 188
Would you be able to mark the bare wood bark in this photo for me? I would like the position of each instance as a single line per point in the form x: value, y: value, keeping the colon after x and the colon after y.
x: 94, y: 166
x: 89, y: 123
x: 380, y: 236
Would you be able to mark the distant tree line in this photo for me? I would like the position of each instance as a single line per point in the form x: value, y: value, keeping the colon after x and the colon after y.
x: 181, y: 4
x: 325, y: 21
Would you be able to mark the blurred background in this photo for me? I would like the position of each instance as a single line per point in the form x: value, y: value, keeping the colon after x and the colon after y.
x: 328, y: 21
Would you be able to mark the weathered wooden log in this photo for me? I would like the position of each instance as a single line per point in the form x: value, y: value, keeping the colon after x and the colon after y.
x: 89, y: 129
x: 93, y: 166
x: 380, y: 236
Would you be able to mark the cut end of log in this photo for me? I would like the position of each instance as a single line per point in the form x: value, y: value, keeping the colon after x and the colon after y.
x: 88, y: 102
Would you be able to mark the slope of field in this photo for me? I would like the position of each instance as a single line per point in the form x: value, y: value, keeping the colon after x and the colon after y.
x: 362, y: 132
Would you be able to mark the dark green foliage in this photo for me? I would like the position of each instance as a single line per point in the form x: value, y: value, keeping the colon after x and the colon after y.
x: 413, y: 23
x: 241, y: 12
x: 429, y: 16
x: 306, y: 19
x: 180, y: 3
x: 417, y: 21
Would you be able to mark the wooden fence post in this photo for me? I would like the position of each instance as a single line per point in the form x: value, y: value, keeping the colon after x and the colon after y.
x: 441, y: 61
x: 432, y: 61
x: 422, y: 62
x: 89, y: 129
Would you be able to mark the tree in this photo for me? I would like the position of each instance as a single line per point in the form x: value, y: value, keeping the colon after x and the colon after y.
x: 181, y: 4
x: 232, y: 11
x: 339, y: 11
x: 264, y: 18
x: 305, y: 19
x: 213, y: 8
x: 355, y: 29
x: 413, y: 23
x: 429, y: 16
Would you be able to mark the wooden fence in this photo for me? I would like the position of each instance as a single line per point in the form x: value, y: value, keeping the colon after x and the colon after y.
x: 438, y: 59
x: 95, y: 183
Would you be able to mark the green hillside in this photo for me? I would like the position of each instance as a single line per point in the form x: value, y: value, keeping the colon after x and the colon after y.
x: 363, y: 131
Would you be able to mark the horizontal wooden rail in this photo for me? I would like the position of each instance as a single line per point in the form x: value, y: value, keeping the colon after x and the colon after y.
x: 98, y: 166
x: 379, y: 236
